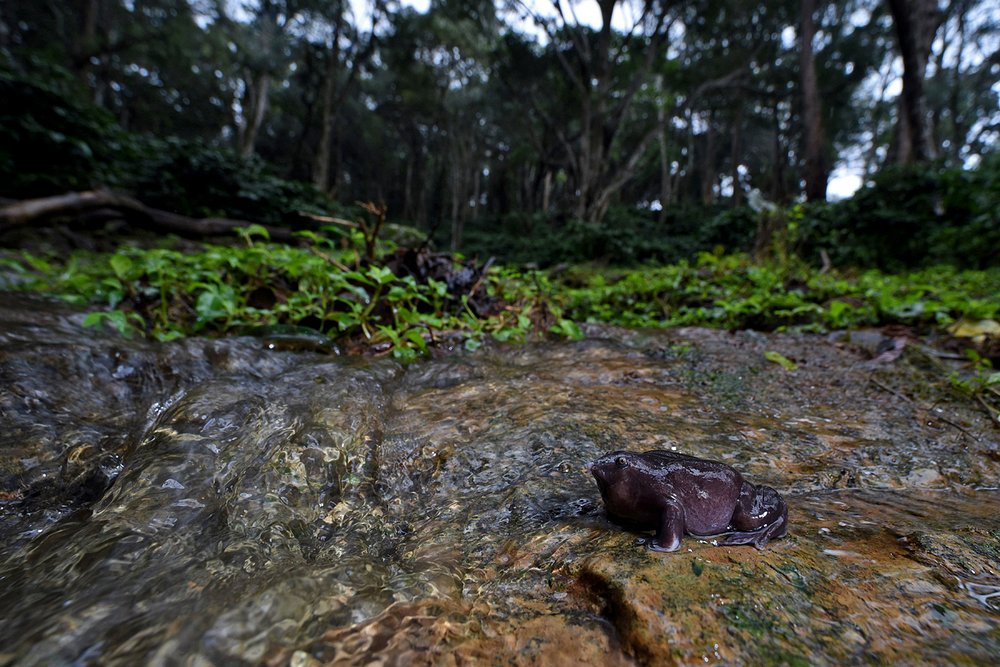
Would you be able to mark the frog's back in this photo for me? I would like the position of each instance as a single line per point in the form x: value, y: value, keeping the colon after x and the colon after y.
x: 678, y: 466
x: 667, y: 457
x: 708, y: 490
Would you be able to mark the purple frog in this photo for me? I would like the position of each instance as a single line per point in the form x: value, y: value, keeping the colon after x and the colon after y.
x: 675, y: 493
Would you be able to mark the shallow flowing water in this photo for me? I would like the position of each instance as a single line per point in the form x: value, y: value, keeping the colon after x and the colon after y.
x: 232, y: 502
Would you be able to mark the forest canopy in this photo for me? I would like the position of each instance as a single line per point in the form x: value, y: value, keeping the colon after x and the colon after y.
x: 540, y: 131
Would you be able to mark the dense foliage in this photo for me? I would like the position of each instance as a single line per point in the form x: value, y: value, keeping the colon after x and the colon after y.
x: 328, y: 288
x: 51, y: 143
x: 918, y: 215
x: 203, y: 181
x: 731, y: 292
x: 485, y: 120
x: 907, y: 217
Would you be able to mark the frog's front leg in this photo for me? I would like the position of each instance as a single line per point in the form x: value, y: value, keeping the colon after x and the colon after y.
x: 670, y: 530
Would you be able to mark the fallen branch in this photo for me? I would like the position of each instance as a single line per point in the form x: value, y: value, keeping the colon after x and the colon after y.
x: 83, y: 204
x: 327, y: 218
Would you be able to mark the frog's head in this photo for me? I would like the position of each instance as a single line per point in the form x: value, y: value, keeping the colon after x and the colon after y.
x: 612, y: 468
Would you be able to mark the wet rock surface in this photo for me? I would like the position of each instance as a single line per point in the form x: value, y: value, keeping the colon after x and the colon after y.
x: 220, y: 502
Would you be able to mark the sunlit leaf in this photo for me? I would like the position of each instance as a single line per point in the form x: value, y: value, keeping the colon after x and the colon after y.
x: 781, y: 360
x: 122, y: 266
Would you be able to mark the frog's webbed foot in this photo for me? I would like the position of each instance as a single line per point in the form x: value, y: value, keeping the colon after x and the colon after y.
x: 760, y: 516
x: 653, y: 545
x: 759, y: 537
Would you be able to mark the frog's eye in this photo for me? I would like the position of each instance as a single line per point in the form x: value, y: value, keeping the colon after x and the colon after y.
x: 621, y: 462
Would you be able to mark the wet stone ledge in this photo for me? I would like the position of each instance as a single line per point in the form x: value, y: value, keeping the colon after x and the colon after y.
x: 219, y: 502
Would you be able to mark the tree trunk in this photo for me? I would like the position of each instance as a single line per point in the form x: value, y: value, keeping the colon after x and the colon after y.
x: 456, y: 223
x: 86, y: 45
x: 546, y: 191
x: 254, y: 111
x: 812, y: 110
x: 708, y: 163
x: 584, y: 177
x: 737, y: 152
x: 408, y: 188
x: 662, y: 144
x: 871, y: 156
x: 596, y: 173
x: 477, y: 184
x: 458, y: 188
x: 594, y: 136
x: 916, y: 22
x: 321, y: 163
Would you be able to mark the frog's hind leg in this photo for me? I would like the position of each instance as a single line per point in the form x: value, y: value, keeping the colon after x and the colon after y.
x: 760, y: 516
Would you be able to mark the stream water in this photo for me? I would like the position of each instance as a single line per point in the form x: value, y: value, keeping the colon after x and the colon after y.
x: 221, y: 502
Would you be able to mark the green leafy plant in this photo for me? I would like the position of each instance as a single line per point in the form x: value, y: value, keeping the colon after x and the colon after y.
x: 730, y: 291
x: 327, y: 285
x: 981, y: 382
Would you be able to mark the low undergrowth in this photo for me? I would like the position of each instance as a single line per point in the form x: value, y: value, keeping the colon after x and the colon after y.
x: 730, y: 291
x: 376, y: 305
x: 330, y: 286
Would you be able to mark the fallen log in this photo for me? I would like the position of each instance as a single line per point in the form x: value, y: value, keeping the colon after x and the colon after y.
x: 79, y: 204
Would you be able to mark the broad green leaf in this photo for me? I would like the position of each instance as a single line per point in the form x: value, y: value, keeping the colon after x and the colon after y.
x: 122, y: 266
x: 93, y: 319
x: 381, y: 274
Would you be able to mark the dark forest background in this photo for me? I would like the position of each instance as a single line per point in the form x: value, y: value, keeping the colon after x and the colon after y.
x: 514, y: 130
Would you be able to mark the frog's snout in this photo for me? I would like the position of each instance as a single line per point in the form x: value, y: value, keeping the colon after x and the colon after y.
x: 598, y: 473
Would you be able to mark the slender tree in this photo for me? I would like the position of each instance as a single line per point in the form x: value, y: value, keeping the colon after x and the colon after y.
x: 602, y: 156
x: 916, y: 22
x: 263, y: 53
x: 347, y: 52
x: 812, y: 112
